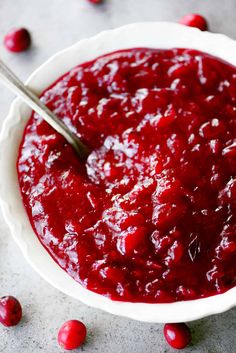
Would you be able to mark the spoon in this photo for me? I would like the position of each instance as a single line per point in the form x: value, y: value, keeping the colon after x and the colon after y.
x: 30, y: 98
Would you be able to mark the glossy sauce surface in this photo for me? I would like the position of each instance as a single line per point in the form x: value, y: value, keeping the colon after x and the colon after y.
x: 151, y: 216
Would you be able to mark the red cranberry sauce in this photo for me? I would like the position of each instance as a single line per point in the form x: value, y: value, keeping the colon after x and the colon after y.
x: 151, y: 215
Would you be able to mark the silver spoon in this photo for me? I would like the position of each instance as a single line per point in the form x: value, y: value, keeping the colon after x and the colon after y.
x: 18, y: 87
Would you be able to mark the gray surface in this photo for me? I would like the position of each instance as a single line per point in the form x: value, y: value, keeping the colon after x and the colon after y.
x: 56, y: 24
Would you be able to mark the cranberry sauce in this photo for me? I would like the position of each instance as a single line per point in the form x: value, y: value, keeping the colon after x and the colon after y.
x: 151, y: 215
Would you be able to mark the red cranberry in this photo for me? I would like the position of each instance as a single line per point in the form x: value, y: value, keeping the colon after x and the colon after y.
x: 72, y: 334
x: 95, y: 1
x: 17, y: 40
x: 194, y: 20
x: 177, y: 335
x: 10, y: 311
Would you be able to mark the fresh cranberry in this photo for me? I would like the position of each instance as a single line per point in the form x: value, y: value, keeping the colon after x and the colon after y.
x: 95, y: 1
x: 17, y: 40
x: 194, y: 20
x: 72, y: 334
x: 10, y: 311
x: 177, y: 335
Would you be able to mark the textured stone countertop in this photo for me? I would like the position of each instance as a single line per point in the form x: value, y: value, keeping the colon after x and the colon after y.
x: 56, y: 24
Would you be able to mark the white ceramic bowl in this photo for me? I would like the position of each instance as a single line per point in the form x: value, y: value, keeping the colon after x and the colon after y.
x: 155, y: 35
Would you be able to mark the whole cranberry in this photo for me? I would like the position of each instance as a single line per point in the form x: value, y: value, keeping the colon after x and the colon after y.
x: 194, y: 20
x: 95, y: 1
x: 72, y: 334
x: 17, y: 40
x: 10, y: 311
x: 177, y: 335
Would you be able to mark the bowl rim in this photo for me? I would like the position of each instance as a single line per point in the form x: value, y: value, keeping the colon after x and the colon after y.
x: 144, y: 34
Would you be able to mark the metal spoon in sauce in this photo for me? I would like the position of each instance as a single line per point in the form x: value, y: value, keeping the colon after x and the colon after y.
x: 30, y: 98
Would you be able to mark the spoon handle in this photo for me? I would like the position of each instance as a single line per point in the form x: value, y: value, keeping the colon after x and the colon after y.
x: 18, y: 87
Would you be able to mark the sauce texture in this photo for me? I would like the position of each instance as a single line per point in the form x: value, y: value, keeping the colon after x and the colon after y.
x: 150, y: 217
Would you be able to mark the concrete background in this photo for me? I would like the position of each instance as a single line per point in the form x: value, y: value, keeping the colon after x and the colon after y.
x: 56, y: 24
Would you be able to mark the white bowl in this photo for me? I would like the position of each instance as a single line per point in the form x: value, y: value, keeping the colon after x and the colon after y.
x: 155, y: 35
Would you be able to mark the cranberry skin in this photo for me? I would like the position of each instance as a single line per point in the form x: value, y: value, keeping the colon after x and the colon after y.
x: 72, y: 334
x: 177, y: 335
x: 17, y: 40
x: 10, y: 311
x: 194, y: 20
